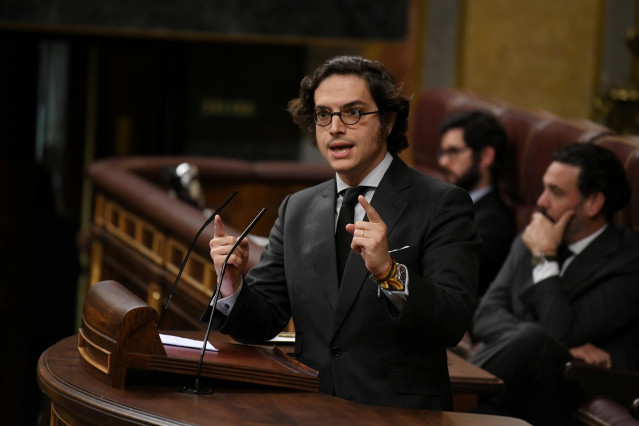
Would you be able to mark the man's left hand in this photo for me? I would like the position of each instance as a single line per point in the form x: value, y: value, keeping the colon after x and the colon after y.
x: 369, y: 239
x: 591, y: 355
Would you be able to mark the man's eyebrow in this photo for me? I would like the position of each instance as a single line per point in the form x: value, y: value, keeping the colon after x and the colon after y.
x: 350, y: 104
x: 353, y: 103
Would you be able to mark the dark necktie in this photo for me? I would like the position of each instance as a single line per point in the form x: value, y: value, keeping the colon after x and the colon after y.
x: 563, y: 253
x: 343, y: 238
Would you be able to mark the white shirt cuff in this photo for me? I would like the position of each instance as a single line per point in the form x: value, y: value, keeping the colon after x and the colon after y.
x: 545, y: 270
x: 225, y: 305
x: 398, y: 298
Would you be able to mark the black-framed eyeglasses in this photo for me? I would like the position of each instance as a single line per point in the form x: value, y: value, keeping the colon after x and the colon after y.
x: 323, y: 116
x: 452, y: 151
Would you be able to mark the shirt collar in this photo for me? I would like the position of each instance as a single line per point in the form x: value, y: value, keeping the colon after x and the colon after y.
x: 373, y: 178
x: 476, y: 194
x: 579, y: 246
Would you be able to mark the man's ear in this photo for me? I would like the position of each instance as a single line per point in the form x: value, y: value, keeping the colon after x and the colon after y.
x: 390, y: 123
x: 486, y: 157
x: 593, y: 204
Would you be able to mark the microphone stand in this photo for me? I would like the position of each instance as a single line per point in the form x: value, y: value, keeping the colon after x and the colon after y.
x: 196, y: 389
x: 188, y: 253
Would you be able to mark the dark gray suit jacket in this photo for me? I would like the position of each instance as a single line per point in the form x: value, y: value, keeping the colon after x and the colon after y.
x: 364, y: 349
x: 595, y: 301
x: 496, y: 228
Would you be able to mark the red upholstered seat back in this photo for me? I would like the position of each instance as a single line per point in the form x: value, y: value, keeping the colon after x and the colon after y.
x: 627, y: 149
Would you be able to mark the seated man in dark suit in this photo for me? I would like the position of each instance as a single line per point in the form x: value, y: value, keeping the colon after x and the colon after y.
x: 473, y: 155
x: 568, y: 289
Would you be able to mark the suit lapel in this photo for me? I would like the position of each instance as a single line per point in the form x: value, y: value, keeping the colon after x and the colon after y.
x: 390, y: 200
x: 579, y: 274
x: 322, y: 224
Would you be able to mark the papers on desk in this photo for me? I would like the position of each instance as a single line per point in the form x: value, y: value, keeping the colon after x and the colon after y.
x: 185, y: 343
x: 284, y: 337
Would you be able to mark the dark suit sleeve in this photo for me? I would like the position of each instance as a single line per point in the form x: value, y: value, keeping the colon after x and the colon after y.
x: 442, y: 295
x: 608, y: 305
x: 270, y: 306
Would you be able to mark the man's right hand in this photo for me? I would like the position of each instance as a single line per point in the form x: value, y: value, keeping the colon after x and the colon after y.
x: 220, y: 246
x: 544, y: 236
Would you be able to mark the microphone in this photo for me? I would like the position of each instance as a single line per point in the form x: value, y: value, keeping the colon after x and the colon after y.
x: 188, y: 253
x: 196, y: 389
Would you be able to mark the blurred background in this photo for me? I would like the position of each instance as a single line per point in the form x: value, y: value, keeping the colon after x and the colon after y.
x: 81, y: 81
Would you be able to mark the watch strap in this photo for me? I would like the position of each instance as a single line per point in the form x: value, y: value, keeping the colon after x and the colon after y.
x: 542, y: 258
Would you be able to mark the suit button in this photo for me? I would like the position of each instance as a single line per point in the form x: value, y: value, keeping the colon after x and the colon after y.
x: 336, y: 351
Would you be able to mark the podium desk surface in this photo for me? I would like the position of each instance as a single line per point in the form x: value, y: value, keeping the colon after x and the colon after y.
x: 156, y: 399
x: 465, y: 378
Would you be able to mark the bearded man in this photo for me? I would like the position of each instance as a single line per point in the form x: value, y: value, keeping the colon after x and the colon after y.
x: 472, y: 156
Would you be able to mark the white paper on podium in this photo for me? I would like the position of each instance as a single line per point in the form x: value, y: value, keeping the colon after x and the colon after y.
x: 284, y: 337
x: 184, y: 342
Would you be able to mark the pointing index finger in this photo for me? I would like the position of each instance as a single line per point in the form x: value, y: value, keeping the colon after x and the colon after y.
x: 220, y: 230
x: 372, y: 214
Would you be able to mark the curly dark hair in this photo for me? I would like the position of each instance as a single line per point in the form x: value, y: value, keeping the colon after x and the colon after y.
x: 386, y: 93
x: 601, y: 171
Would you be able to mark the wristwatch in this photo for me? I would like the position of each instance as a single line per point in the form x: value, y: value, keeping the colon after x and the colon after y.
x: 542, y: 258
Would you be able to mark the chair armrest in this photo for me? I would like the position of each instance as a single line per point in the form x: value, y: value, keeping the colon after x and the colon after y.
x: 604, y: 411
x: 616, y: 384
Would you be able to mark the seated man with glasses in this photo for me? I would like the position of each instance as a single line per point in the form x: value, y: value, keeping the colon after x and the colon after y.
x: 473, y: 156
x: 366, y: 264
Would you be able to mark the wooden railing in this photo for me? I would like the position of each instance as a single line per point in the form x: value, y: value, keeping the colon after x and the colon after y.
x: 141, y: 234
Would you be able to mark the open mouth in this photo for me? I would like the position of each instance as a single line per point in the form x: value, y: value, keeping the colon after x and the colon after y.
x: 341, y: 148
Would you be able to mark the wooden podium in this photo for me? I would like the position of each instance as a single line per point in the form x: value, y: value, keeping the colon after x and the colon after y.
x: 119, y: 333
x: 79, y: 399
x: 108, y: 375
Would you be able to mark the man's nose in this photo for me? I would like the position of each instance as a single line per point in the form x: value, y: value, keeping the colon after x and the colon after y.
x: 542, y: 200
x: 337, y: 126
x: 443, y: 160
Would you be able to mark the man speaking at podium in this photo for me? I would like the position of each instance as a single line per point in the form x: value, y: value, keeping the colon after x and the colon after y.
x: 376, y: 297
